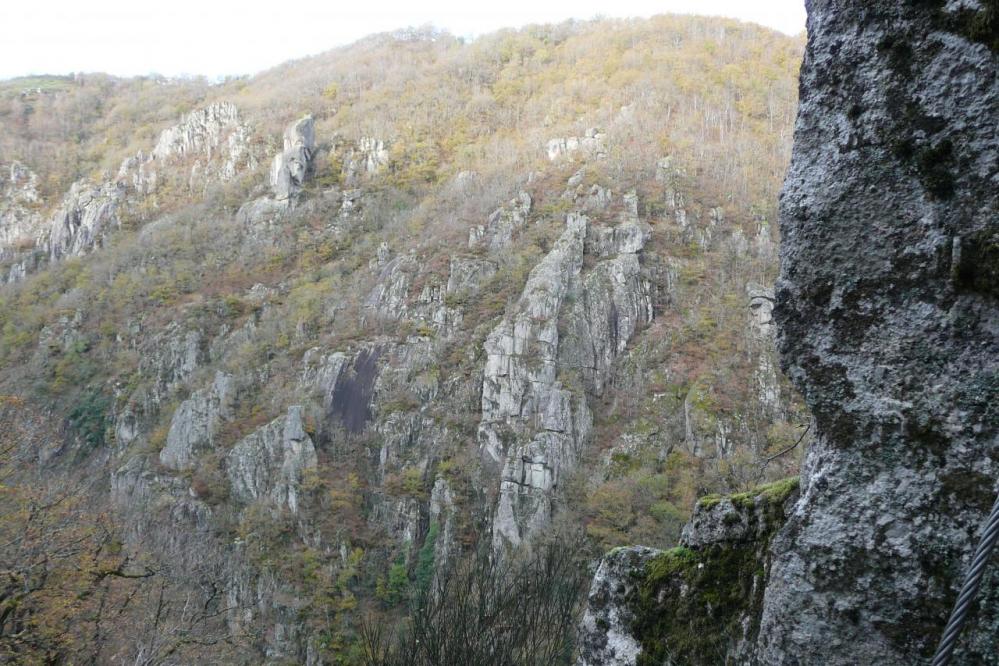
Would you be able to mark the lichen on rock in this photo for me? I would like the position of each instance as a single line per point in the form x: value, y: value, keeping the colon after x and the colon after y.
x: 893, y: 169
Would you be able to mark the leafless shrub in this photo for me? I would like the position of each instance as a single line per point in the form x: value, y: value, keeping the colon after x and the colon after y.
x: 519, y: 609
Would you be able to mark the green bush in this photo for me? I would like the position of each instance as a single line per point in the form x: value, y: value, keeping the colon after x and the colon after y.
x: 89, y: 417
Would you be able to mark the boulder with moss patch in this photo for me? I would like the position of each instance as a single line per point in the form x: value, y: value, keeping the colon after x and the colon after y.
x: 698, y: 603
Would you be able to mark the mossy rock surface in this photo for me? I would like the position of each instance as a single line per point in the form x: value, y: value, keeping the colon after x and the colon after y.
x: 702, y: 605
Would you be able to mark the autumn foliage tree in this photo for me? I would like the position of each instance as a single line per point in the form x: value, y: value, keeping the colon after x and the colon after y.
x: 64, y: 574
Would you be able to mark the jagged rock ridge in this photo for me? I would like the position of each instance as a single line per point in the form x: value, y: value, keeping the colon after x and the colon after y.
x: 215, y: 138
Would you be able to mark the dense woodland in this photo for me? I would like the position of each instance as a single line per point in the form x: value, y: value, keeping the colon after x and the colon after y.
x: 696, y: 116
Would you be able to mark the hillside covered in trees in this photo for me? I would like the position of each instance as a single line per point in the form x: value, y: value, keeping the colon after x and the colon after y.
x: 367, y: 358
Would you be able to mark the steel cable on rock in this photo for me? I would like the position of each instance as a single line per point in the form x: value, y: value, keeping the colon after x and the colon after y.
x: 969, y: 590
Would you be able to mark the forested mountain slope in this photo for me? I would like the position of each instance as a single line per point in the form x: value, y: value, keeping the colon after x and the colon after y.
x: 278, y: 351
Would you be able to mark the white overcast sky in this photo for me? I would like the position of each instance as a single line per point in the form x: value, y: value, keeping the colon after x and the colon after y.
x: 219, y: 37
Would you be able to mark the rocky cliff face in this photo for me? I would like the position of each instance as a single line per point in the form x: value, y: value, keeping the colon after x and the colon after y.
x: 503, y: 223
x: 270, y: 463
x: 19, y: 221
x: 887, y: 321
x: 522, y: 398
x: 208, y: 146
x: 568, y: 323
x: 216, y: 138
x: 89, y: 214
x: 290, y: 167
x: 698, y: 603
x: 364, y: 160
x: 196, y: 422
x: 891, y: 332
x: 87, y: 218
x: 591, y: 144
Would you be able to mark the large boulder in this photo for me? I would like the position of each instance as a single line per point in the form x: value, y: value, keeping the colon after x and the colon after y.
x: 697, y: 604
x: 606, y: 635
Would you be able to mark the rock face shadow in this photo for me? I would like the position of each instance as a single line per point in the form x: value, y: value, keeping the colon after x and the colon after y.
x: 350, y: 402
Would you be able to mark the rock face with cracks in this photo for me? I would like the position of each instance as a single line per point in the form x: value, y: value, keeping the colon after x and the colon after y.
x: 196, y: 422
x: 270, y: 463
x: 291, y: 167
x: 891, y: 331
x: 88, y: 216
x: 534, y: 425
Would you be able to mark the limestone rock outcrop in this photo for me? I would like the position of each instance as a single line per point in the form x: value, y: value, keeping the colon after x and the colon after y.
x: 19, y: 220
x: 467, y: 274
x: 614, y: 300
x: 390, y: 295
x: 214, y: 138
x: 591, y: 144
x: 523, y: 399
x: 87, y: 217
x: 605, y: 634
x: 171, y: 357
x: 888, y: 323
x: 366, y: 159
x: 139, y: 173
x: 321, y: 373
x: 390, y: 298
x: 196, y: 422
x: 534, y: 424
x: 291, y: 167
x: 504, y: 222
x: 696, y: 604
x: 271, y: 462
x: 214, y: 144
